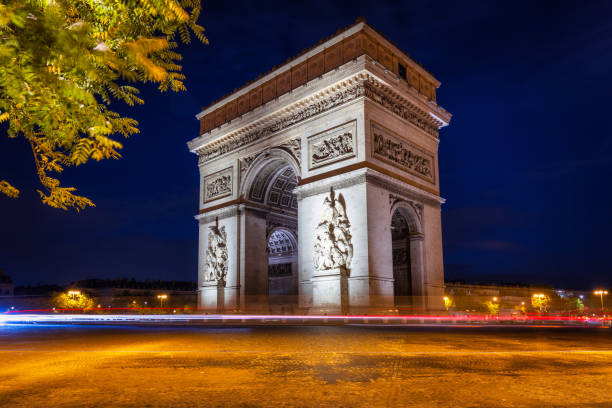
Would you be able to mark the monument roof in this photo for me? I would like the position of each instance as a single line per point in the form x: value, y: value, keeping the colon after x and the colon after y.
x: 330, y: 53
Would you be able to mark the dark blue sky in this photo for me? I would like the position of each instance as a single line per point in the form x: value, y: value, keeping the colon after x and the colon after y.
x: 525, y: 164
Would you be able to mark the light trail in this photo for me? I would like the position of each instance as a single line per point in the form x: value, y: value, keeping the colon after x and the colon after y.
x: 27, y: 317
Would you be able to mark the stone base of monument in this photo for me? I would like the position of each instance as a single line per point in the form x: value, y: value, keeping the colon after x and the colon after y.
x: 330, y: 291
x: 212, y: 297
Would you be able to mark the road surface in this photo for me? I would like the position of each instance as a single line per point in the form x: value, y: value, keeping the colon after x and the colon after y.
x: 90, y: 366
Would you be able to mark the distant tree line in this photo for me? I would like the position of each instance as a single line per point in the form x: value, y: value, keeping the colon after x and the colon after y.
x: 117, y: 283
x: 126, y: 283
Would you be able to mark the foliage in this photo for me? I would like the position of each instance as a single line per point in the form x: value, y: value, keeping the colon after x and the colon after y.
x: 62, y: 62
x: 492, y: 307
x: 522, y: 308
x: 65, y: 300
x: 448, y: 302
x: 540, y: 302
x: 576, y: 304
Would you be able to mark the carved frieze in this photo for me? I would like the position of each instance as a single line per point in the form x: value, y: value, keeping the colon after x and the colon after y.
x: 391, y: 148
x: 321, y: 105
x: 332, y: 145
x: 333, y: 247
x: 400, y: 107
x: 362, y: 85
x: 216, y: 256
x: 217, y: 185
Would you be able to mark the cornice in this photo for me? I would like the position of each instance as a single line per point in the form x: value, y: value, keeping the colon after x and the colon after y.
x: 283, y: 68
x: 361, y: 84
x: 357, y: 27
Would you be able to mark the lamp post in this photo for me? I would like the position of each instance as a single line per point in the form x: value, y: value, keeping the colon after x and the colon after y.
x: 601, y: 294
x: 74, y: 294
x: 161, y: 300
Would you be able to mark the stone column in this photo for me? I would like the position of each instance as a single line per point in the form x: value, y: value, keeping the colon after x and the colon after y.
x: 330, y: 279
x: 330, y: 291
x: 417, y: 270
x: 433, y: 260
x: 215, y: 295
x: 253, y: 260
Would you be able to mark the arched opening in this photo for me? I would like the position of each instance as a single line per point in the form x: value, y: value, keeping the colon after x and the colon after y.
x: 282, y: 263
x: 401, y: 255
x: 271, y: 212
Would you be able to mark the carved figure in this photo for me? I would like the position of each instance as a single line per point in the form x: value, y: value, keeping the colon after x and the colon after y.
x: 295, y: 147
x: 333, y: 147
x: 401, y: 154
x: 216, y: 256
x: 333, y: 247
x: 218, y: 186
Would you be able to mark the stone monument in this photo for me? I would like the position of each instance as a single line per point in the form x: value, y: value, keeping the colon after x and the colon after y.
x: 320, y: 184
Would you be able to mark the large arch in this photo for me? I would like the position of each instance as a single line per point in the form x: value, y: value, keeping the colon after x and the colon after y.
x: 407, y: 246
x: 270, y: 212
x: 269, y: 158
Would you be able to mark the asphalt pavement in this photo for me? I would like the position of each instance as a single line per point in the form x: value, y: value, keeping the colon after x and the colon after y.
x: 315, y: 366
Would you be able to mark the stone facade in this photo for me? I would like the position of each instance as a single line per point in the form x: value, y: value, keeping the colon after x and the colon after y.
x: 310, y: 169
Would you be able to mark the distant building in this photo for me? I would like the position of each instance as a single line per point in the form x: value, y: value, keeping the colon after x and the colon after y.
x: 120, y: 293
x: 513, y: 298
x: 7, y: 287
x: 471, y: 296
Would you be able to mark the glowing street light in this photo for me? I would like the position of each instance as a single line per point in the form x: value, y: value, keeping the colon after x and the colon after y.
x: 447, y: 302
x: 495, y: 298
x: 601, y: 294
x: 161, y: 300
x: 74, y: 293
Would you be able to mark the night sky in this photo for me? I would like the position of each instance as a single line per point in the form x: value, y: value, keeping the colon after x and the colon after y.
x: 525, y: 164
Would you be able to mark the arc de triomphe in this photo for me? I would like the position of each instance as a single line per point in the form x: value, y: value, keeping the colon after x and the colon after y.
x: 320, y: 183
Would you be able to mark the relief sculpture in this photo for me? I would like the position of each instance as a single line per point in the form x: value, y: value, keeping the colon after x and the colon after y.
x: 402, y: 154
x: 218, y: 185
x: 332, y: 145
x: 333, y: 247
x: 216, y: 256
x: 332, y: 148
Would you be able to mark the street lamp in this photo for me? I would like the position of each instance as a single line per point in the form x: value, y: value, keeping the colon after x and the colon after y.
x: 161, y: 300
x: 601, y: 294
x: 74, y: 293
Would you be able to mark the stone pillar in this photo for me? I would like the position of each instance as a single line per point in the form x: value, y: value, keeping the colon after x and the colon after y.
x: 417, y: 270
x: 330, y: 291
x: 212, y: 294
x: 253, y: 260
x: 212, y: 297
x: 434, y: 266
x: 331, y: 288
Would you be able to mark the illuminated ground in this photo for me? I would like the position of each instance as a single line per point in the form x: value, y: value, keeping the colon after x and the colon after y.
x: 78, y: 366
